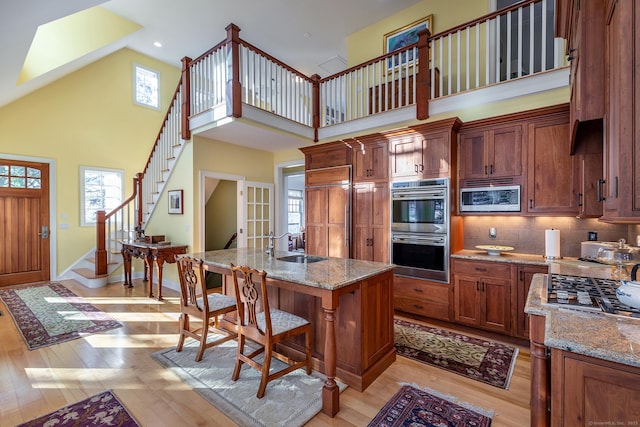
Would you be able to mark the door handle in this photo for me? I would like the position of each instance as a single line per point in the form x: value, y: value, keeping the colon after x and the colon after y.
x: 599, y: 190
x: 44, y: 233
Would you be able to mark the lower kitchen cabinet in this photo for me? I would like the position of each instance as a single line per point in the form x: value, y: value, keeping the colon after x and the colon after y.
x: 423, y: 297
x: 525, y: 273
x: 482, y: 294
x: 590, y: 391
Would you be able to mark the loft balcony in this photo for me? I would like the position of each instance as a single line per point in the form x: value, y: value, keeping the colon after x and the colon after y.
x: 239, y: 94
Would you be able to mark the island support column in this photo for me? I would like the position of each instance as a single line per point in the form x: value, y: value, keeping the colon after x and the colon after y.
x: 330, y: 390
x: 539, y: 373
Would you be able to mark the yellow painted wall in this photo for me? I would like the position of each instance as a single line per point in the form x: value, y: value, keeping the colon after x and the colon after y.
x: 368, y: 42
x: 87, y: 118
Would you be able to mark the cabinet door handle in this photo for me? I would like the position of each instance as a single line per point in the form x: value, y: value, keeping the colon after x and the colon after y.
x: 418, y: 306
x: 530, y: 203
x: 480, y: 269
x: 421, y: 167
x: 521, y: 276
x: 616, y: 188
x: 418, y: 290
x: 415, y: 167
x: 485, y: 169
x: 579, y: 199
x: 599, y: 196
x: 490, y: 169
x: 477, y: 285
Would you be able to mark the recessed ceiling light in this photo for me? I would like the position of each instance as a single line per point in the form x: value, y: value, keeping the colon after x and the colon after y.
x: 157, y: 44
x: 307, y: 35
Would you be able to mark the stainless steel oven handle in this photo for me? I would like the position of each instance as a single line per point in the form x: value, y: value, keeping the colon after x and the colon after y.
x: 437, y: 241
x: 439, y: 194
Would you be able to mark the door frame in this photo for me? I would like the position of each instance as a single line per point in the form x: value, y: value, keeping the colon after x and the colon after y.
x: 199, y: 246
x: 53, y: 226
x: 280, y: 222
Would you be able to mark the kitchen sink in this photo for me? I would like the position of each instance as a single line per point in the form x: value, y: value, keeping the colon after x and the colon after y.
x: 301, y: 258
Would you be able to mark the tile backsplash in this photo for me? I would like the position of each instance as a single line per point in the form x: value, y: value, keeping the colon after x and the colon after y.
x: 527, y: 234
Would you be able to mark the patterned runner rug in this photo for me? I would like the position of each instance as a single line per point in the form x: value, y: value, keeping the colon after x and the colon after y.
x: 49, y: 313
x: 103, y: 409
x: 481, y: 360
x: 412, y: 406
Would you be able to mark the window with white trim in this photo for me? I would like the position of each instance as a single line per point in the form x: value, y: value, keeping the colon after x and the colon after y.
x: 146, y: 87
x: 100, y: 189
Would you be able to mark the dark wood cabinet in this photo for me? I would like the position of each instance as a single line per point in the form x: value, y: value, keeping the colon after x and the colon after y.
x: 588, y: 153
x: 426, y: 151
x: 423, y: 297
x: 371, y: 221
x: 552, y: 173
x: 583, y: 27
x: 328, y: 193
x: 370, y: 160
x: 621, y: 187
x: 524, y: 274
x: 491, y: 152
x: 482, y: 294
x: 590, y: 391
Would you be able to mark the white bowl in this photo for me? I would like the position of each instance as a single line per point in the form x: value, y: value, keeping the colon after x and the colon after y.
x: 629, y: 293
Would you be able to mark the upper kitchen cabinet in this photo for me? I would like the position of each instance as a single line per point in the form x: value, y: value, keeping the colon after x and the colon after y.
x: 425, y: 151
x: 582, y: 24
x: 552, y: 174
x: 370, y: 159
x: 621, y: 186
x: 488, y: 150
x: 326, y: 155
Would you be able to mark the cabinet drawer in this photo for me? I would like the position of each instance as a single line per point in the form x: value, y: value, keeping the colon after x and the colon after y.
x: 497, y: 270
x: 420, y: 289
x: 422, y: 308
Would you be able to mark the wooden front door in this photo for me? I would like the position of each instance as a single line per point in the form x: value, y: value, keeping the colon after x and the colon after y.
x: 24, y: 229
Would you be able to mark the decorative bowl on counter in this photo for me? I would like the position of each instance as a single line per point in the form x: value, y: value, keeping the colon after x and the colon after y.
x: 494, y: 249
x: 629, y: 293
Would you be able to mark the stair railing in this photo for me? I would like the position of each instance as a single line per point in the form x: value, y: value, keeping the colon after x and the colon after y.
x: 134, y: 212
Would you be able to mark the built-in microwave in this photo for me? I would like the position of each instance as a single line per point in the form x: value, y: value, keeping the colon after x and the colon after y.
x: 490, y: 199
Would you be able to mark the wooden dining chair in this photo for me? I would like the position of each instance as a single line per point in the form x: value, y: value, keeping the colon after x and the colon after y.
x: 264, y: 326
x: 196, y: 302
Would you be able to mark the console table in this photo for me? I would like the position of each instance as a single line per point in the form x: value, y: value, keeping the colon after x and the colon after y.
x: 150, y: 252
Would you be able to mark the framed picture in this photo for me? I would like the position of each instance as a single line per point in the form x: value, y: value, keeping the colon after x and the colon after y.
x: 175, y: 202
x: 403, y: 37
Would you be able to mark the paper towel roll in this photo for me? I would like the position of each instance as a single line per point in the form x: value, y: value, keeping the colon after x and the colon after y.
x: 552, y: 243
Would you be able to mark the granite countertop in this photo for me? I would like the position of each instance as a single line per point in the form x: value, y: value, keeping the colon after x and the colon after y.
x: 567, y: 265
x: 604, y: 336
x: 330, y: 273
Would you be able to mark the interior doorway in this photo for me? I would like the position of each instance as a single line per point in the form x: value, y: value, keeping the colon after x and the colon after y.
x: 291, y: 205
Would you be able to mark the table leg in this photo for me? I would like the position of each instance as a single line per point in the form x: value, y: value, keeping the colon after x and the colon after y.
x: 330, y: 390
x: 159, y: 264
x: 126, y: 258
x: 148, y: 261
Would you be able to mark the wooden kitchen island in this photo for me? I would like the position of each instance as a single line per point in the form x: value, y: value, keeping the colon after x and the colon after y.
x: 348, y: 302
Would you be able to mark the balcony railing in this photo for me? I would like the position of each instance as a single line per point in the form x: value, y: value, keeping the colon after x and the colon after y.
x: 505, y: 45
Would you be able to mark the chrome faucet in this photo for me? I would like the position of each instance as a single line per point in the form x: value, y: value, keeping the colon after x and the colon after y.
x: 271, y: 244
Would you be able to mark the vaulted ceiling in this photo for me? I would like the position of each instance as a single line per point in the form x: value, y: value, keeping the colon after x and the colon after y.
x: 308, y: 35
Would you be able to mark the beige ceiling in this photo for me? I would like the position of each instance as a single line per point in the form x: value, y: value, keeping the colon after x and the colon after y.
x: 302, y: 33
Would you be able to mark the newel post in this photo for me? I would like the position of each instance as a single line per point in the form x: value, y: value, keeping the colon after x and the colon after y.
x: 186, y: 97
x: 423, y: 87
x: 233, y: 87
x: 101, y: 249
x: 315, y: 102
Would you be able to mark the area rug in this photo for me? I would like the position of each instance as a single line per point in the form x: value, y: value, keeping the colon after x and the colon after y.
x: 290, y: 400
x: 485, y: 361
x: 413, y: 406
x: 103, y: 409
x: 49, y: 313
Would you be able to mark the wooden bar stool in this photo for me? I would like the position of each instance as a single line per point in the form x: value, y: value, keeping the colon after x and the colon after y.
x: 265, y: 328
x: 196, y: 302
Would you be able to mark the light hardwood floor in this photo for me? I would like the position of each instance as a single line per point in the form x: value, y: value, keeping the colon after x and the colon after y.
x: 33, y: 383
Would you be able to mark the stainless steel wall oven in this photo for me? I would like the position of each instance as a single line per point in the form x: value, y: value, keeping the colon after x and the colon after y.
x: 420, y: 229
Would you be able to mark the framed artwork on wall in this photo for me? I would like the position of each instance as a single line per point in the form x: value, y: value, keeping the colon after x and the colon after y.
x: 405, y: 36
x: 175, y: 202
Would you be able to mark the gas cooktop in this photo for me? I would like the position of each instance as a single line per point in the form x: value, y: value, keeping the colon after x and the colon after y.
x: 587, y: 294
